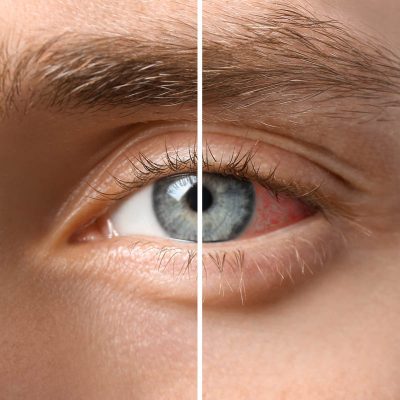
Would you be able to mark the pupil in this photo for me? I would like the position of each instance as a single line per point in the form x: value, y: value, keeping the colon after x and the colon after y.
x: 191, y: 198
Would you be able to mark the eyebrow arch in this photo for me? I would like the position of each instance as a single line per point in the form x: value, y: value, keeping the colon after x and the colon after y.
x: 78, y: 70
x: 287, y: 57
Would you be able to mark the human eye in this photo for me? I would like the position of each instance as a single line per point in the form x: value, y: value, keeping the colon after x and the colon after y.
x: 159, y: 200
x: 266, y: 213
x: 233, y: 206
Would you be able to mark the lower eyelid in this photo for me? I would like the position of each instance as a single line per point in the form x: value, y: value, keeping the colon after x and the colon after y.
x: 244, y: 271
x: 258, y: 269
x: 139, y: 267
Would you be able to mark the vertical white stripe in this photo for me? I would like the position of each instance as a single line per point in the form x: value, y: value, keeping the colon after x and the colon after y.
x: 199, y: 199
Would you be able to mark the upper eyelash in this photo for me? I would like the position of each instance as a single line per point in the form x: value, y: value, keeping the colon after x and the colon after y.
x: 148, y: 170
x: 240, y: 165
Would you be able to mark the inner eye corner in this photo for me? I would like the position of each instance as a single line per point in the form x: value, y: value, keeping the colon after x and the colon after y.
x: 94, y: 229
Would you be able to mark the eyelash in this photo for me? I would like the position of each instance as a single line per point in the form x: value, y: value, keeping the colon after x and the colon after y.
x: 240, y: 166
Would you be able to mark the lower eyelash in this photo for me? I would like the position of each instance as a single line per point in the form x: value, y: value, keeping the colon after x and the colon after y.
x: 166, y: 258
x: 234, y: 267
x: 286, y: 265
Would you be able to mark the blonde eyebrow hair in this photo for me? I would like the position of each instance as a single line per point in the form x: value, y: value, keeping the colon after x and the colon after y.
x: 88, y: 71
x: 286, y: 56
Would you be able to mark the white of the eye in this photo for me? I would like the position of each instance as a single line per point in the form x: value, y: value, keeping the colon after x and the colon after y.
x: 135, y: 216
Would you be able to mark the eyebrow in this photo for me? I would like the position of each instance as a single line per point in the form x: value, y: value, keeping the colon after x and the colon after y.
x: 76, y: 70
x: 273, y: 58
x: 287, y: 57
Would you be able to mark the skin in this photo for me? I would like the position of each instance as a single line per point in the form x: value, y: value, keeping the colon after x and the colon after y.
x: 82, y: 321
x: 77, y: 324
x: 336, y: 334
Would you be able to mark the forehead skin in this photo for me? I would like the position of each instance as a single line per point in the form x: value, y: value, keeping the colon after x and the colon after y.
x: 379, y: 19
x: 42, y: 17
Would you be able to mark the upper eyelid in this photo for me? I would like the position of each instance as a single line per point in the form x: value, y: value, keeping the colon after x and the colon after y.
x: 240, y: 165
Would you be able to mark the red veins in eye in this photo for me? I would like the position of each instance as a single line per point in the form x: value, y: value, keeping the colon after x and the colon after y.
x: 274, y: 212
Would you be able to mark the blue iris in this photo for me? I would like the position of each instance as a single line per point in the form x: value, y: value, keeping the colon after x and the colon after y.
x: 228, y: 206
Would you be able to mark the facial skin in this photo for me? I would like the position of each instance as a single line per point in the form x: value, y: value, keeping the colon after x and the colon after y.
x: 94, y: 95
x: 333, y: 334
x: 87, y: 320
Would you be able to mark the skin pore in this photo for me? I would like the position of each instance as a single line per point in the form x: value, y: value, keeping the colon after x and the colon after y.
x: 303, y: 95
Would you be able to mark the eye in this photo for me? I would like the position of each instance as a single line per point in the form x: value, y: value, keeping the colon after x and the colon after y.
x: 269, y: 220
x: 232, y: 208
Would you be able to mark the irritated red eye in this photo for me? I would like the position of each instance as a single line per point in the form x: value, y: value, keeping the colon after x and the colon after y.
x: 273, y: 212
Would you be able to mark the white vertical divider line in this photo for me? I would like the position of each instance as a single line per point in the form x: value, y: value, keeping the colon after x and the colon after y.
x: 199, y: 199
